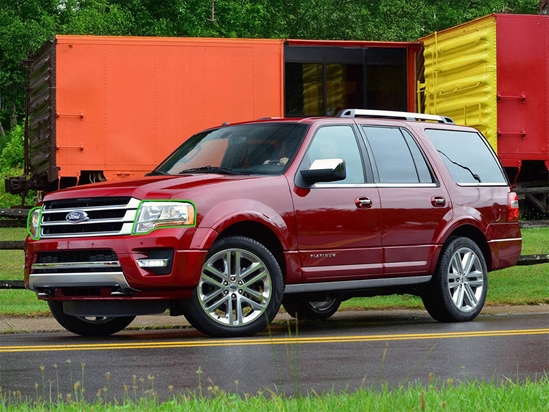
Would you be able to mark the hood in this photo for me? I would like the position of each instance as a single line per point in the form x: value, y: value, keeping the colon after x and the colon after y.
x: 151, y: 187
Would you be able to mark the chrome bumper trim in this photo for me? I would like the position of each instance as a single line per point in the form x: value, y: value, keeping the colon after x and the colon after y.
x: 39, y: 281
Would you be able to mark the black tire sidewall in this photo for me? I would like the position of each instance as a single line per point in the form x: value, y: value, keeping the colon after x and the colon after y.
x: 81, y: 327
x: 200, y: 320
x: 438, y: 299
x: 304, y: 310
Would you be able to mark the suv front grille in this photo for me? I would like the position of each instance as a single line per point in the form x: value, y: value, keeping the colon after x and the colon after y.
x: 103, y: 216
x: 72, y: 256
x: 82, y: 261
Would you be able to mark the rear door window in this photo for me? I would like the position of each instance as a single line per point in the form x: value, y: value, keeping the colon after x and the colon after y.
x: 468, y: 157
x: 397, y: 157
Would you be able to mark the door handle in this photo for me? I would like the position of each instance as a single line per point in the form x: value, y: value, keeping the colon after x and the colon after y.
x: 363, y: 202
x: 438, y: 201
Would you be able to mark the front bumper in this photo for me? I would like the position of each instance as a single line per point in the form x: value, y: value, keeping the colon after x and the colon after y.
x: 106, y: 267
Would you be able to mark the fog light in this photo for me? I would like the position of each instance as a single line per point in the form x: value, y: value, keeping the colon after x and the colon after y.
x: 152, y: 263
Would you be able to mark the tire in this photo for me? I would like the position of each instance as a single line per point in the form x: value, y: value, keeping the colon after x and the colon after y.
x: 88, y: 326
x: 312, y: 310
x: 240, y: 289
x: 458, y: 288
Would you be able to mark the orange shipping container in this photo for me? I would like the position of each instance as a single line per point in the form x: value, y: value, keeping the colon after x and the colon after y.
x: 114, y: 107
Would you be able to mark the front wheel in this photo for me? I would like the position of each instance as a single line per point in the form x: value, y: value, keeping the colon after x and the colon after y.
x: 312, y: 310
x: 239, y: 292
x: 88, y: 326
x: 458, y: 289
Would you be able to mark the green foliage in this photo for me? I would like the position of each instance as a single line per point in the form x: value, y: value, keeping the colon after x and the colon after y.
x: 8, y: 200
x: 26, y: 24
x: 12, y: 152
x: 11, y: 164
x: 450, y: 394
x: 94, y: 17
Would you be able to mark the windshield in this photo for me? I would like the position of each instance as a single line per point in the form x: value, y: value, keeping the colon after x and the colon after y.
x: 259, y: 148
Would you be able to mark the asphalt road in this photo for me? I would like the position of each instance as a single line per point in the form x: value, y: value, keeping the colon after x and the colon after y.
x: 351, y: 350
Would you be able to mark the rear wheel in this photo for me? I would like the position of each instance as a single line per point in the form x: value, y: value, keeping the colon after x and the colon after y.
x: 240, y: 289
x: 458, y: 289
x: 312, y: 310
x: 88, y: 326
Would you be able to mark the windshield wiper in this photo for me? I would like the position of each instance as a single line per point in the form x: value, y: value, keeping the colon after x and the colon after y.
x: 210, y: 169
x: 157, y: 172
x: 477, y: 177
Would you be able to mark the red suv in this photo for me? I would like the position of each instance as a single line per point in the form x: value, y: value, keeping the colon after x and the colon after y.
x: 303, y: 213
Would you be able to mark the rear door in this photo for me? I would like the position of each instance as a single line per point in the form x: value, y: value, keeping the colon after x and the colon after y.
x: 338, y: 223
x: 415, y: 205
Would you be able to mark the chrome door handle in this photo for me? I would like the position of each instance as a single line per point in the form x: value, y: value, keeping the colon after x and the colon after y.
x: 363, y: 202
x: 438, y: 201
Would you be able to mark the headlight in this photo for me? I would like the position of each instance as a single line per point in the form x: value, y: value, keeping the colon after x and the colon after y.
x: 153, y: 215
x: 33, y: 223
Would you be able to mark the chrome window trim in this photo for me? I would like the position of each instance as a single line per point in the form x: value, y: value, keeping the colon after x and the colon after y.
x: 373, y: 185
x: 488, y: 184
x: 342, y: 185
x: 397, y: 185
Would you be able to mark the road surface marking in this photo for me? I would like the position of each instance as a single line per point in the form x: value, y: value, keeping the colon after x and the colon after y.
x: 270, y: 341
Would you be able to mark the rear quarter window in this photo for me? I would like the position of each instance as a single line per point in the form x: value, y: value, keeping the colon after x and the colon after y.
x: 468, y: 157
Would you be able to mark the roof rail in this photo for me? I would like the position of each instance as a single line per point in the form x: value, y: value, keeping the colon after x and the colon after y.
x: 394, y: 115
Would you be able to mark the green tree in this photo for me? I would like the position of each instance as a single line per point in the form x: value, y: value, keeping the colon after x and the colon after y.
x: 26, y: 24
x: 12, y: 152
x: 98, y: 17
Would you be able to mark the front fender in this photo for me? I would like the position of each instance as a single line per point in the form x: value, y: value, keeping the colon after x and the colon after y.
x: 231, y: 212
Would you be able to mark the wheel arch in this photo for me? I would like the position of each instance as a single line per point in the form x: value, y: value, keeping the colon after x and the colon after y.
x: 476, y: 235
x: 260, y: 233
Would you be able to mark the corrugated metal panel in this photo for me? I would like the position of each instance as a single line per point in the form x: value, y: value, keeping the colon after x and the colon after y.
x: 460, y: 75
x: 41, y: 128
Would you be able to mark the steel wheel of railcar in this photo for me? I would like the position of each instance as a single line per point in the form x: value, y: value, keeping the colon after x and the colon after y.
x: 240, y: 289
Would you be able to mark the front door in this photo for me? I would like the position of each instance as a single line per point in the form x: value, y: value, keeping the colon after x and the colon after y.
x: 338, y: 223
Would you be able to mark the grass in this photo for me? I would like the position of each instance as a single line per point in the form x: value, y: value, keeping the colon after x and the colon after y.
x: 519, y: 285
x: 17, y: 302
x: 449, y: 395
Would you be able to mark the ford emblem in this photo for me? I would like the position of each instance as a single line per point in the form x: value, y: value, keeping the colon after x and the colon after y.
x: 76, y: 216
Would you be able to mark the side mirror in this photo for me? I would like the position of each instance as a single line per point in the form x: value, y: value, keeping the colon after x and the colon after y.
x: 325, y: 170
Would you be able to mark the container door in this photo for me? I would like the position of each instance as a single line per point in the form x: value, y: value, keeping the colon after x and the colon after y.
x: 321, y: 81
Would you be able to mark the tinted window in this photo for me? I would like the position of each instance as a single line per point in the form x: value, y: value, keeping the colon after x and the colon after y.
x: 398, y: 158
x: 338, y: 142
x: 467, y: 156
